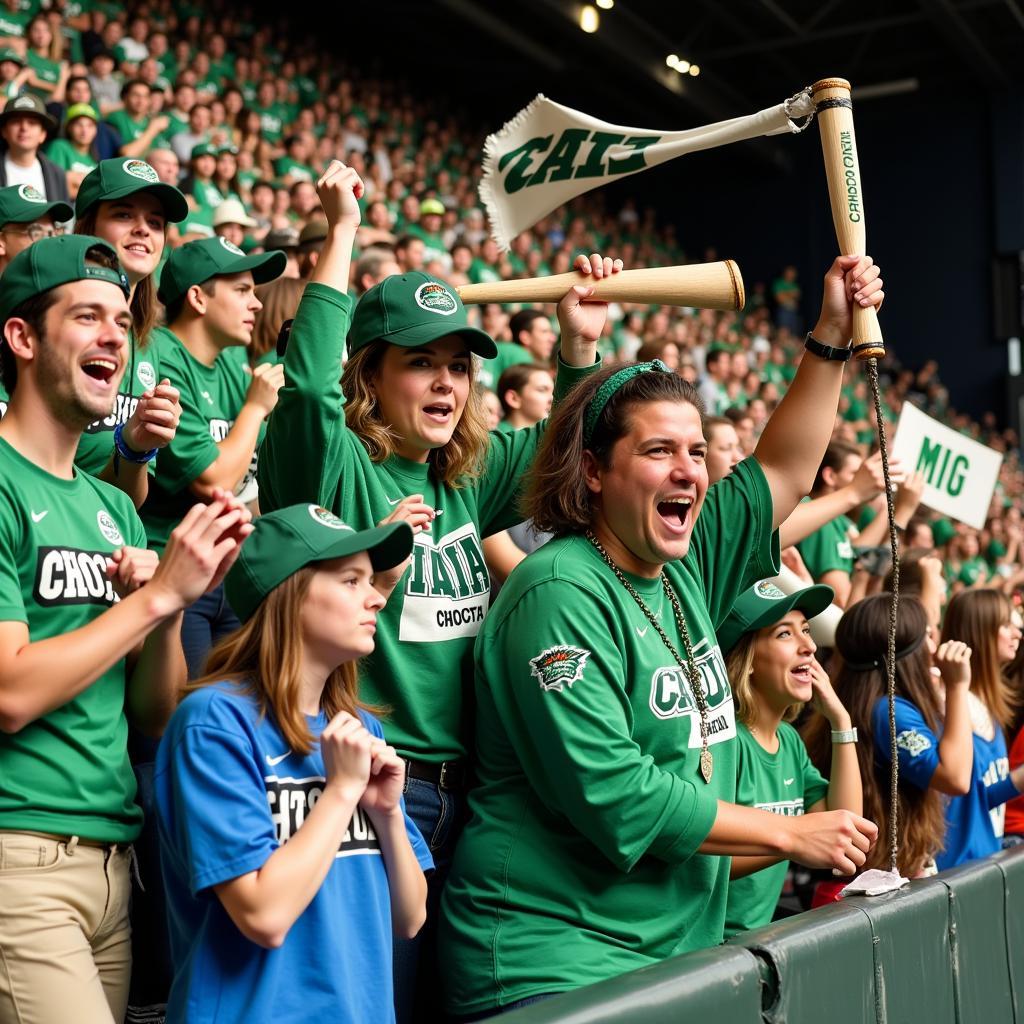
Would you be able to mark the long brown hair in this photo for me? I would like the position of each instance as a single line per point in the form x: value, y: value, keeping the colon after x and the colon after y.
x: 860, y: 637
x: 558, y: 500
x: 145, y: 307
x: 974, y: 617
x: 280, y: 300
x: 264, y: 658
x: 455, y: 463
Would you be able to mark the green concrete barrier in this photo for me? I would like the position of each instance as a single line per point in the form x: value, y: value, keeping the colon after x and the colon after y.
x: 945, y: 950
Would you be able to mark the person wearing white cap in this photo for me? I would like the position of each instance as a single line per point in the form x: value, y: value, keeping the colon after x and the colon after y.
x: 230, y: 221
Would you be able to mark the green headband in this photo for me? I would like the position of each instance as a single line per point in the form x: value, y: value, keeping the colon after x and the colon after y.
x: 610, y: 386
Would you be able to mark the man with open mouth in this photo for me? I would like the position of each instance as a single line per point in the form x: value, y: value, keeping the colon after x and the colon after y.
x: 89, y: 637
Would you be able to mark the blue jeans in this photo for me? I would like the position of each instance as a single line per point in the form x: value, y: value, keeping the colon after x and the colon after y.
x: 440, y: 815
x: 205, y: 622
x: 498, y: 1010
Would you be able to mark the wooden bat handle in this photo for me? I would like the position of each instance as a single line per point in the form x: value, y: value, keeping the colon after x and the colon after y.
x: 703, y: 285
x: 839, y: 147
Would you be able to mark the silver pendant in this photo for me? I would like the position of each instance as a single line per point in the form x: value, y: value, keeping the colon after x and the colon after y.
x: 707, y: 764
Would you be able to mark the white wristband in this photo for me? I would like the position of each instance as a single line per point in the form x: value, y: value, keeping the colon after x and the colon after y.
x: 844, y: 735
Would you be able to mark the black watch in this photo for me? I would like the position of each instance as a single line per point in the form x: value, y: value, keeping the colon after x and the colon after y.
x: 815, y: 347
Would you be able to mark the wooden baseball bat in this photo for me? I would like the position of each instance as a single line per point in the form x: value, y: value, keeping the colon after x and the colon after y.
x: 839, y: 147
x: 703, y: 285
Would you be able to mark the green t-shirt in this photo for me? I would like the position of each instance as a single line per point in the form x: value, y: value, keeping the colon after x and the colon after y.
x: 96, y: 444
x: 509, y: 354
x: 828, y: 548
x: 211, y: 398
x: 434, y: 247
x: 63, y: 154
x: 13, y: 23
x: 206, y: 194
x: 45, y: 70
x: 272, y: 121
x: 481, y: 272
x: 426, y: 630
x: 127, y: 127
x: 580, y: 860
x: 972, y: 570
x: 285, y: 165
x: 784, y: 783
x: 4, y: 398
x: 67, y: 772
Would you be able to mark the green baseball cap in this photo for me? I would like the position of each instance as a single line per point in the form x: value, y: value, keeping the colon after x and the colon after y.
x: 284, y: 541
x: 9, y: 53
x: 81, y: 110
x: 414, y: 309
x: 431, y: 206
x: 764, y: 604
x: 943, y: 531
x: 22, y: 204
x: 117, y: 178
x: 198, y: 261
x: 51, y: 262
x: 203, y: 149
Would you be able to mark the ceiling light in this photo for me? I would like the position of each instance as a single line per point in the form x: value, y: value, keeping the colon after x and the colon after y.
x: 589, y: 18
x: 682, y: 66
x: 672, y: 60
x: 605, y: 5
x: 694, y: 70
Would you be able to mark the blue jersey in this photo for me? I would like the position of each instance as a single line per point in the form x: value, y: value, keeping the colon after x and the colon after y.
x: 974, y: 821
x: 229, y: 792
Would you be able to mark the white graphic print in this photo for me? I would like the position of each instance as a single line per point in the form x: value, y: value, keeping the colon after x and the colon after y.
x: 671, y: 696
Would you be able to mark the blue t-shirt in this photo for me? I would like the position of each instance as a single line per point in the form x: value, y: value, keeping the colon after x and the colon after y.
x: 229, y: 793
x: 974, y: 821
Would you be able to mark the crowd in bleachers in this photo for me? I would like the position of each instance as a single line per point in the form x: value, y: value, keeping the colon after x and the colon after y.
x: 588, y: 661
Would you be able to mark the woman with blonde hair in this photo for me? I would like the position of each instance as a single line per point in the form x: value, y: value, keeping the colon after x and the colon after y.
x: 984, y: 620
x: 406, y: 429
x: 769, y: 655
x: 288, y: 858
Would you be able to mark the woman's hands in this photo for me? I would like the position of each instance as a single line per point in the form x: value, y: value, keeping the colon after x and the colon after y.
x: 361, y: 766
x: 582, y: 321
x: 850, y: 281
x: 825, y: 700
x: 953, y: 660
x: 419, y: 515
x: 339, y: 189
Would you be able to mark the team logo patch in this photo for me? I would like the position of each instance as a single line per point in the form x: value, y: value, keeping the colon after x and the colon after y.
x: 913, y: 742
x: 327, y: 518
x: 31, y: 194
x: 435, y: 298
x: 108, y: 527
x: 146, y: 374
x: 141, y: 170
x: 768, y: 590
x: 231, y: 247
x: 560, y: 666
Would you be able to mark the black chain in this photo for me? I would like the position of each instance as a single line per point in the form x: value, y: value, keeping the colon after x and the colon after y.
x: 890, y: 661
x: 689, y: 666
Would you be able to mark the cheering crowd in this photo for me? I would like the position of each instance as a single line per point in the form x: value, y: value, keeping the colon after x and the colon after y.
x: 366, y: 654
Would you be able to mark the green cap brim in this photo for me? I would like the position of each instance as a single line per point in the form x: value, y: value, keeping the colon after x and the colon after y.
x: 811, y: 601
x: 174, y: 203
x: 387, y: 546
x: 265, y: 266
x: 60, y: 212
x: 478, y: 342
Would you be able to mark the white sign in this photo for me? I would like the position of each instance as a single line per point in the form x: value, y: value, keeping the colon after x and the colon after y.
x: 960, y: 474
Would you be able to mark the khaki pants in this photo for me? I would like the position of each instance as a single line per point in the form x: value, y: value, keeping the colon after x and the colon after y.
x: 65, y: 941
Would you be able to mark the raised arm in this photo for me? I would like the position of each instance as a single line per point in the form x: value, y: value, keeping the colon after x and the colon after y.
x: 795, y: 438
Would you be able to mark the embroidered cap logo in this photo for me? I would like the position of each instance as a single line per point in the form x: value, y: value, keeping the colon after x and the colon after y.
x: 435, y: 298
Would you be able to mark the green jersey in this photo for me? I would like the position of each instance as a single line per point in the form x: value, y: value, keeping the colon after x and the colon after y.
x: 970, y: 571
x: 211, y: 398
x: 126, y: 126
x: 272, y: 121
x: 784, y: 783
x: 63, y: 154
x: 68, y: 771
x: 580, y: 860
x: 509, y: 354
x: 13, y: 23
x: 96, y: 444
x: 421, y: 668
x: 828, y: 548
x: 206, y: 194
x: 45, y: 70
x: 285, y: 166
